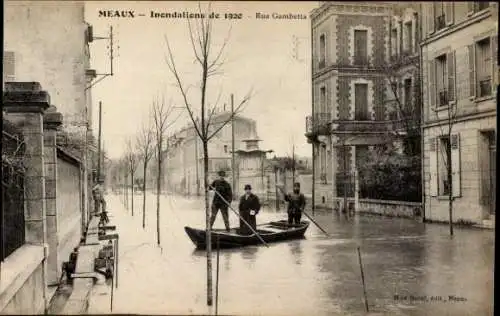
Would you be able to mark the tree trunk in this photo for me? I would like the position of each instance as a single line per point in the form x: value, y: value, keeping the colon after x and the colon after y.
x: 126, y: 192
x: 208, y: 228
x: 144, y: 195
x: 158, y: 191
x: 132, y: 191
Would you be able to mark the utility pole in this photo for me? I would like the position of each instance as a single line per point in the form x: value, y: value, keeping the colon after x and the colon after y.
x: 99, y: 142
x: 293, y: 163
x: 233, y: 164
x: 276, y: 188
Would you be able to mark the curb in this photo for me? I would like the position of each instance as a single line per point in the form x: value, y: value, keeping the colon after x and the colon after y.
x: 78, y: 302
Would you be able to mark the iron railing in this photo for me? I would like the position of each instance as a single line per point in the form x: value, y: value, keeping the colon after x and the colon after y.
x: 12, y: 217
x: 319, y: 123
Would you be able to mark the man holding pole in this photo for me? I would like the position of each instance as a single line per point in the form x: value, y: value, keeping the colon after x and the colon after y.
x: 225, y: 194
x: 296, y: 204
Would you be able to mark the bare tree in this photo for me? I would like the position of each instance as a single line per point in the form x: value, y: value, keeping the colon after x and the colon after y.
x: 407, y: 109
x: 161, y: 114
x: 210, y: 63
x: 132, y: 163
x: 146, y: 149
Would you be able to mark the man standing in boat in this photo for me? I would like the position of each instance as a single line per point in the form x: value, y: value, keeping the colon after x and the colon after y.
x: 296, y: 204
x: 223, y: 188
x: 249, y: 207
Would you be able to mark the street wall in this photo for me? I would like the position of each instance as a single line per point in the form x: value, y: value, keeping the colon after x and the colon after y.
x: 68, y: 208
x: 21, y: 289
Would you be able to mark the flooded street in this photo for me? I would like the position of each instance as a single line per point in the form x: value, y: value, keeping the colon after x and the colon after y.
x: 430, y: 273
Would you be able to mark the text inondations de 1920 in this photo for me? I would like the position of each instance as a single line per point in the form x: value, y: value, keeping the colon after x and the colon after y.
x: 154, y: 14
x: 430, y: 299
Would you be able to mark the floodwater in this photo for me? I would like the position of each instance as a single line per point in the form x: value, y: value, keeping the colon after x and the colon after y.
x: 410, y: 268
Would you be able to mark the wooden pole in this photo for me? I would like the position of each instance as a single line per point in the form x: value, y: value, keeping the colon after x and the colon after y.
x: 312, y: 220
x: 233, y: 163
x: 363, y: 279
x: 244, y: 221
x: 217, y: 280
x: 276, y: 188
x: 99, y: 142
x: 116, y: 257
x: 112, y: 284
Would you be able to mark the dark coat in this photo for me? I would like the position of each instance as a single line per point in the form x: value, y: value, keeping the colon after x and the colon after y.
x: 251, y: 203
x: 296, y: 202
x: 223, y: 188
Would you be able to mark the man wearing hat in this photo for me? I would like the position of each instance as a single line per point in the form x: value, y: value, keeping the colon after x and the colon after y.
x: 249, y: 207
x: 223, y: 188
x: 296, y: 204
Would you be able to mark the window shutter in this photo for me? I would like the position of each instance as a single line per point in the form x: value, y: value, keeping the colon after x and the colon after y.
x: 472, y: 71
x: 449, y: 8
x: 450, y: 58
x: 430, y: 17
x: 433, y: 168
x: 432, y: 84
x: 494, y: 62
x: 455, y: 164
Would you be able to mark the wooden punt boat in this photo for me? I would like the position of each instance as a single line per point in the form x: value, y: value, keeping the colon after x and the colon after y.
x: 270, y: 232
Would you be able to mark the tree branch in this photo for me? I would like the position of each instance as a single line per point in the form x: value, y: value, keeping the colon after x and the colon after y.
x: 237, y: 110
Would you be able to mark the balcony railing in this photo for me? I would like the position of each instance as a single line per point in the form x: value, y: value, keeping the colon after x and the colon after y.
x: 352, y: 126
x: 318, y: 124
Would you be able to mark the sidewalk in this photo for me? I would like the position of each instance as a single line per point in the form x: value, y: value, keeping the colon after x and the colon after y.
x: 143, y: 271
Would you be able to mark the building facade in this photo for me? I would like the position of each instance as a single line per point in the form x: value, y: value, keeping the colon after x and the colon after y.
x: 364, y: 60
x: 184, y: 158
x: 460, y: 78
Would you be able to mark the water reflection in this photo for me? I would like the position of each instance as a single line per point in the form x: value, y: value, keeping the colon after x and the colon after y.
x: 320, y: 275
x: 295, y: 248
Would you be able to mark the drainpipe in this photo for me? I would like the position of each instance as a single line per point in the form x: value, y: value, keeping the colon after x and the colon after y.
x: 422, y: 151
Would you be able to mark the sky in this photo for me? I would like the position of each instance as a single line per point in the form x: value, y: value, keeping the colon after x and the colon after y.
x: 259, y: 59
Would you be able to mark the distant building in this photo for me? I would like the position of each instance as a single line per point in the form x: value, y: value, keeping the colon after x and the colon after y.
x: 253, y: 168
x: 37, y: 49
x: 460, y: 49
x: 362, y: 53
x: 184, y: 163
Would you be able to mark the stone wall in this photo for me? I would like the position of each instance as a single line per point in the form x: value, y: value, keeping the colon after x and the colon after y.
x: 68, y: 206
x: 22, y: 286
x: 390, y: 208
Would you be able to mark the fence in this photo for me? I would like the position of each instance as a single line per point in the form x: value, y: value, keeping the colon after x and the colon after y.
x: 12, y: 217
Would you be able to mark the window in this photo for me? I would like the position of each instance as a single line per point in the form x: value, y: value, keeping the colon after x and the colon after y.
x: 476, y: 6
x: 360, y: 47
x: 441, y: 81
x: 394, y: 42
x: 9, y: 63
x: 439, y: 15
x: 322, y: 50
x: 361, y: 102
x: 225, y: 149
x: 483, y: 64
x: 408, y: 95
x: 444, y: 165
x: 322, y: 99
x: 408, y: 44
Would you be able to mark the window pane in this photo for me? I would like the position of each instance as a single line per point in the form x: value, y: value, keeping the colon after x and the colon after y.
x: 361, y: 102
x: 360, y: 46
